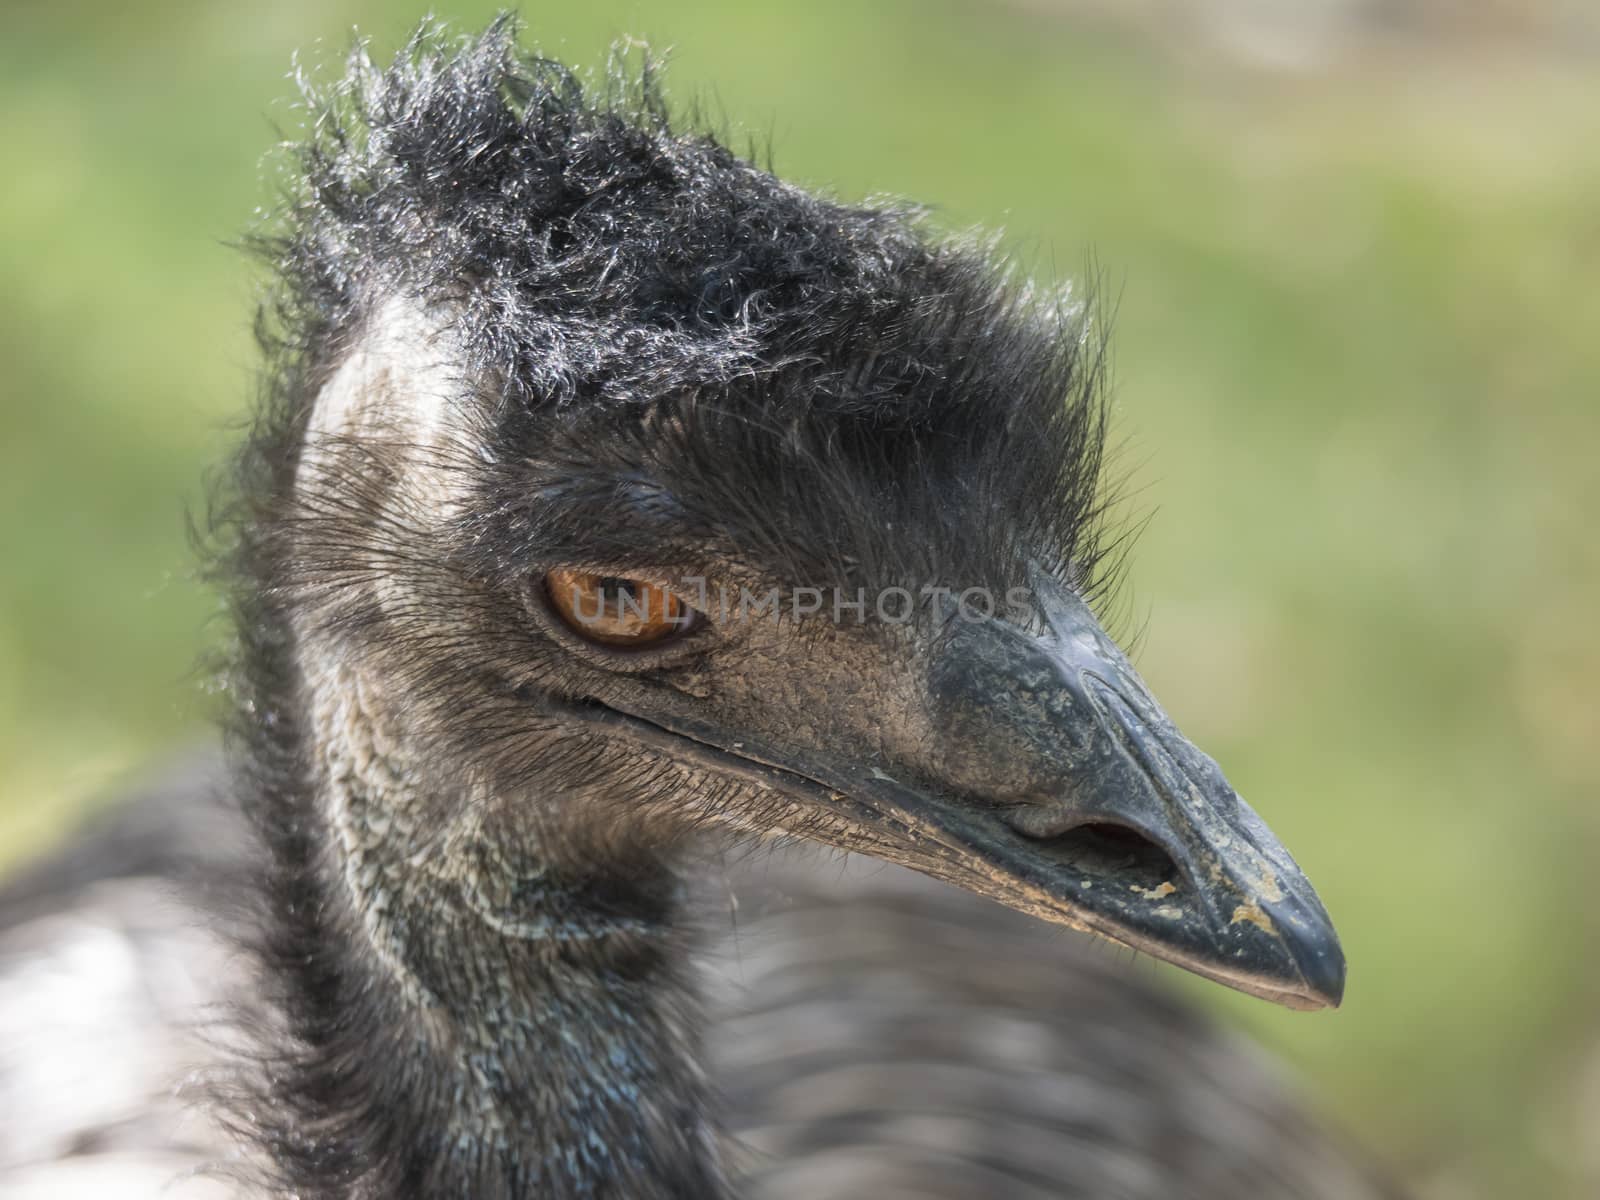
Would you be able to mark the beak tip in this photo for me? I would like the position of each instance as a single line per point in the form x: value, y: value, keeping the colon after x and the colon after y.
x: 1324, y: 989
x: 1328, y: 981
x: 1321, y: 965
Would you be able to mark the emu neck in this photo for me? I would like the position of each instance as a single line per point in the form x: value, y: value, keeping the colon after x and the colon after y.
x: 503, y: 1024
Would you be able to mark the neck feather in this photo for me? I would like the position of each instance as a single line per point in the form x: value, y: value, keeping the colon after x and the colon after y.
x: 464, y: 1014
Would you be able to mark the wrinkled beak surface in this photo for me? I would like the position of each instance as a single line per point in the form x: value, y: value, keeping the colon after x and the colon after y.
x: 1053, y: 784
x: 1110, y: 819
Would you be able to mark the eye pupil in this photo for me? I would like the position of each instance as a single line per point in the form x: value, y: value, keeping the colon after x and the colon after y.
x: 614, y: 610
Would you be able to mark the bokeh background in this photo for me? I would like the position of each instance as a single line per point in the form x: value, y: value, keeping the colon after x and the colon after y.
x: 1353, y: 247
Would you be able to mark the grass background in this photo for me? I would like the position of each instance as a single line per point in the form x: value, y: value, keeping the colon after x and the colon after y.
x: 1358, y: 365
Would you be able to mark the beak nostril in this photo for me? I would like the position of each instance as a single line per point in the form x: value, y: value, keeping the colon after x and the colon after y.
x: 1114, y: 835
x: 1118, y: 854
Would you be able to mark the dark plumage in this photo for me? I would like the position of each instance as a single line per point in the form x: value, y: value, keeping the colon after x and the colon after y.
x: 872, y: 1035
x: 523, y: 328
x: 652, y: 309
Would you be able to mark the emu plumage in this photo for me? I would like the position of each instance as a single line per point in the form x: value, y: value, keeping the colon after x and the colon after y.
x: 520, y: 329
x: 872, y: 1034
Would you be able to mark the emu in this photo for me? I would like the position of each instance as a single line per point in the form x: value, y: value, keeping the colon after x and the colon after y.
x: 615, y: 509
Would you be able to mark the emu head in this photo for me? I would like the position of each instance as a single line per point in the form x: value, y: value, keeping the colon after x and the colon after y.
x: 633, y: 494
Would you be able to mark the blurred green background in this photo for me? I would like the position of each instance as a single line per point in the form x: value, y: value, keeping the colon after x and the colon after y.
x: 1358, y: 366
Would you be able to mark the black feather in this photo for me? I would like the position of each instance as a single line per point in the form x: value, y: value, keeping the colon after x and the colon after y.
x: 650, y: 323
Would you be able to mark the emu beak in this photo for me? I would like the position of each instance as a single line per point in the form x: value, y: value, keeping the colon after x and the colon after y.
x: 1058, y: 787
x: 1128, y: 829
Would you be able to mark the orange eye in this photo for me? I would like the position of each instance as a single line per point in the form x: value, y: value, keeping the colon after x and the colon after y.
x: 614, y: 611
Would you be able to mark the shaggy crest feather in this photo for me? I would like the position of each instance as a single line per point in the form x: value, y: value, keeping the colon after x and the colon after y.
x: 608, y: 266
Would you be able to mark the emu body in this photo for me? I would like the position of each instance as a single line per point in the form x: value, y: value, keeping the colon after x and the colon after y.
x: 522, y: 332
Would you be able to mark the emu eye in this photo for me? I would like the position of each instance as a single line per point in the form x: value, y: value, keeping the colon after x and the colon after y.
x: 614, y: 611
